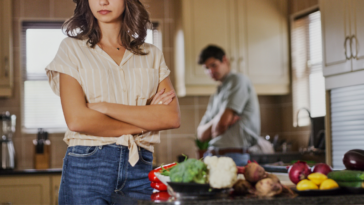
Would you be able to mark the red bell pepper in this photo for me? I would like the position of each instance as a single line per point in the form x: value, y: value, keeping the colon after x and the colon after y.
x: 154, y: 178
x: 160, y: 196
x: 156, y: 183
x: 158, y: 186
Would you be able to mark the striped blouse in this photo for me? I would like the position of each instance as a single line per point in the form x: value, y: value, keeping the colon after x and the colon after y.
x: 132, y: 82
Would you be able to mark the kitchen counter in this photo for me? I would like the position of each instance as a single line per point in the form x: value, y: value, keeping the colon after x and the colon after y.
x: 30, y: 172
x: 337, y: 199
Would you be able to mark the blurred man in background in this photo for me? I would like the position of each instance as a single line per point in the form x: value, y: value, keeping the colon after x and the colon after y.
x: 232, y: 118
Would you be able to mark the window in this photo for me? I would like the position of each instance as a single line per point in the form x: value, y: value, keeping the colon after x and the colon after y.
x: 308, y: 83
x: 42, y: 108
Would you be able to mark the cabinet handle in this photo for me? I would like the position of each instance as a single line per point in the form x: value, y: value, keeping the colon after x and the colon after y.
x: 356, y: 46
x: 232, y: 59
x: 241, y: 59
x: 6, y: 68
x: 346, y: 53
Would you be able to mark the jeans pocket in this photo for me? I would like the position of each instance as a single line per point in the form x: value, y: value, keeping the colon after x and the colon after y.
x: 146, y: 156
x: 83, y: 151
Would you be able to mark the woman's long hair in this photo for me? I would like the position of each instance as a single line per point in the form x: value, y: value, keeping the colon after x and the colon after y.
x: 135, y: 20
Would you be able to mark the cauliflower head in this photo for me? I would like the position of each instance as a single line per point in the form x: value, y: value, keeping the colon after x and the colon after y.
x: 222, y: 171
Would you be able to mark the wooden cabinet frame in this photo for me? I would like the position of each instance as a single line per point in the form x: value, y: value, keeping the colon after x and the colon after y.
x: 6, y: 48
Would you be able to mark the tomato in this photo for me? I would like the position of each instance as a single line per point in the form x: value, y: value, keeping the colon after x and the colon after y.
x: 160, y: 196
x: 158, y: 186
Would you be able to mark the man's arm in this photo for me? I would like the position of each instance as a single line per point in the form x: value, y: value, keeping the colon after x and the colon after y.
x: 204, y: 131
x: 217, y: 126
x: 225, y: 120
x: 81, y: 119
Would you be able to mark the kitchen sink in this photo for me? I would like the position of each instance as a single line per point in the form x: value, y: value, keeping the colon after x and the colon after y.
x: 286, y: 157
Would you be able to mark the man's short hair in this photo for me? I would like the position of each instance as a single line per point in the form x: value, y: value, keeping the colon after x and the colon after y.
x: 211, y: 51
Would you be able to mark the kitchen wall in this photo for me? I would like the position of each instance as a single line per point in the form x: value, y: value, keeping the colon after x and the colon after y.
x: 276, y: 111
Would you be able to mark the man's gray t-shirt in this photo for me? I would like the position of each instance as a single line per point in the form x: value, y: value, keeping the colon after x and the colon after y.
x: 237, y: 93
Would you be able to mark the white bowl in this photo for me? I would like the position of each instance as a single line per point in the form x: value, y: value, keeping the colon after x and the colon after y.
x: 162, y: 178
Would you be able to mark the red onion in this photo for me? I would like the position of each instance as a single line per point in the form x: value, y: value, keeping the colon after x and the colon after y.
x: 321, y: 168
x: 298, y: 171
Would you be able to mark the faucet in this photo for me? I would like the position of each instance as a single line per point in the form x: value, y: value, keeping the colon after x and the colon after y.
x: 311, y: 140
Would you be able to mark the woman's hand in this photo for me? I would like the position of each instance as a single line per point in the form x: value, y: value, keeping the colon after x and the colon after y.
x: 163, y: 98
x: 99, y: 107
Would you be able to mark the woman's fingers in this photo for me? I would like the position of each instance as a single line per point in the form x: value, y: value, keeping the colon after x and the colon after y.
x: 163, y: 98
x: 156, y: 97
x: 169, y: 101
x: 166, y: 99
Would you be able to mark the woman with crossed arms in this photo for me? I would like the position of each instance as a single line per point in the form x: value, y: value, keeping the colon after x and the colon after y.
x: 116, y: 96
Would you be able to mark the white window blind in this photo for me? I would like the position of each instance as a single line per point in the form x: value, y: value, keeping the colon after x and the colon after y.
x: 42, y: 108
x: 347, y: 120
x: 308, y: 83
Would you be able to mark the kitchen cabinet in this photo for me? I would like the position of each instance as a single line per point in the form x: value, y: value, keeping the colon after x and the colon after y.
x: 6, y: 54
x: 263, y: 44
x: 358, y: 33
x: 342, y: 34
x: 253, y: 34
x: 55, y: 183
x: 25, y: 190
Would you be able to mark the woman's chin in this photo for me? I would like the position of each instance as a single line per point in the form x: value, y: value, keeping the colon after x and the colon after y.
x: 108, y: 20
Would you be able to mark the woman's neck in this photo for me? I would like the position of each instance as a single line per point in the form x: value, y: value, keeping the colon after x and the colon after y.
x: 110, y: 33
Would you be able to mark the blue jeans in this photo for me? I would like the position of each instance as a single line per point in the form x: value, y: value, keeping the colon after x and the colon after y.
x: 92, y: 174
x: 239, y: 159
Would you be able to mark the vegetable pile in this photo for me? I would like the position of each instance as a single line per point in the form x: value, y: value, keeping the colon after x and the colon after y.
x: 191, y: 170
x: 323, y: 178
x: 260, y: 183
x: 311, y: 179
x: 222, y: 172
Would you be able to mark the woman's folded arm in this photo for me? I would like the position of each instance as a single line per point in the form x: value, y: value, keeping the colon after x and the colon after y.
x: 151, y: 117
x: 80, y: 118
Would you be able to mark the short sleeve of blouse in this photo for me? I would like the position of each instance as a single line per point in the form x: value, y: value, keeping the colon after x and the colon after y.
x: 161, y: 63
x: 63, y: 62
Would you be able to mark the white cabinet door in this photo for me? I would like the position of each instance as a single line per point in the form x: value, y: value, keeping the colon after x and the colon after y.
x: 205, y: 22
x: 252, y: 32
x: 263, y: 44
x: 6, y: 59
x: 336, y: 34
x: 357, y: 24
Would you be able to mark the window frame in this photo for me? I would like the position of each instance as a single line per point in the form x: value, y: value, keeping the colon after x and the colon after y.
x: 54, y: 24
x: 292, y: 18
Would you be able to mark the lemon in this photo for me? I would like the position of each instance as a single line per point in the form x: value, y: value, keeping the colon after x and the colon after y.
x: 328, y: 184
x: 317, y: 178
x: 306, y: 185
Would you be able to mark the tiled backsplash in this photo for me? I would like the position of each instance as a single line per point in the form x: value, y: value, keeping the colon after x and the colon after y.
x: 276, y: 111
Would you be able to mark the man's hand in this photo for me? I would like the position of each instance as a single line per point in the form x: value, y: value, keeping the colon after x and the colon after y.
x: 234, y: 120
x: 222, y: 122
x: 218, y: 125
